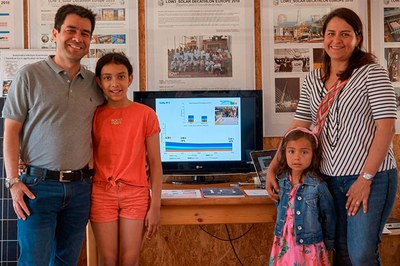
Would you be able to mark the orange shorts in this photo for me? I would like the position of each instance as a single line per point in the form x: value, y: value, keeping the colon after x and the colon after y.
x: 122, y: 200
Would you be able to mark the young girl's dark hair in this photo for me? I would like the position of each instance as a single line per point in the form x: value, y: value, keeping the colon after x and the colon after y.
x: 113, y: 58
x: 296, y: 134
x: 359, y: 57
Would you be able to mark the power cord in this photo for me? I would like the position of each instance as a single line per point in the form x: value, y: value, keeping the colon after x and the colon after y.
x: 231, y: 242
x: 230, y: 239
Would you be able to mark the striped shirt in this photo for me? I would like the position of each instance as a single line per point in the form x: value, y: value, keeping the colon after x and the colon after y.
x: 350, y: 124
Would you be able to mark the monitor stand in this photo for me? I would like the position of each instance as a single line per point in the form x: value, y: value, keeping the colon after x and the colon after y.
x: 201, y: 180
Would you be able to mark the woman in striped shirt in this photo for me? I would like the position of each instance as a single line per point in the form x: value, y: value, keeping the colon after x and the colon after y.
x: 351, y: 104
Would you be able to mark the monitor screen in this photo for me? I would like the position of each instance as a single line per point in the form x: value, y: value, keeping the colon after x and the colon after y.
x: 207, y: 132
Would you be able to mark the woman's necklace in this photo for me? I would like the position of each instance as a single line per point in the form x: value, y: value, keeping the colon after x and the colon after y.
x: 332, y: 142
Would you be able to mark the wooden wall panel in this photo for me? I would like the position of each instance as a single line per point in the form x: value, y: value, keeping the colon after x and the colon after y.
x: 190, y: 245
x: 142, y: 44
x: 396, y: 210
x: 257, y: 44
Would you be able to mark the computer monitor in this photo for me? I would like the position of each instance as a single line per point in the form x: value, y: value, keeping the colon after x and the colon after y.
x: 207, y: 132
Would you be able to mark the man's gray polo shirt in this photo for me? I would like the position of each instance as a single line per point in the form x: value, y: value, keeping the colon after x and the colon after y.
x: 57, y: 114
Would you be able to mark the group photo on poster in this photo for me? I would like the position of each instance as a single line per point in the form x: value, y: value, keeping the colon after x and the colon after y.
x: 216, y: 51
x: 200, y: 56
x: 292, y: 60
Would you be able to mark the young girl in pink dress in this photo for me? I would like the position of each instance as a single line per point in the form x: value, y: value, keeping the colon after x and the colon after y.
x: 305, y: 223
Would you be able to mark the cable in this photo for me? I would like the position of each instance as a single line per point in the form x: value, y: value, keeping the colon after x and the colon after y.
x: 229, y: 238
x: 233, y: 247
x: 226, y: 239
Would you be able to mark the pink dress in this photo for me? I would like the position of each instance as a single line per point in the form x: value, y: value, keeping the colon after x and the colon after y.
x: 285, y: 251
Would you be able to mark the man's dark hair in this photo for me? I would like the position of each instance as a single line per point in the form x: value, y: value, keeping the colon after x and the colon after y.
x: 66, y: 10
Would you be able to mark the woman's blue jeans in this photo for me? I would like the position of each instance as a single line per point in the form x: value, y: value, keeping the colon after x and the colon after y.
x: 358, y: 237
x: 53, y: 234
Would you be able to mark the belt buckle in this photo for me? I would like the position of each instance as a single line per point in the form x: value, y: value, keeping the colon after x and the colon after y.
x: 61, y: 179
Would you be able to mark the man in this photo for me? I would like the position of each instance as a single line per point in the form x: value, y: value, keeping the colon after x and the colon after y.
x: 48, y: 118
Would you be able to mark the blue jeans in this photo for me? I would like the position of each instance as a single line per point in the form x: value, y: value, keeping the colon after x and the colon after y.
x: 53, y: 234
x: 358, y: 237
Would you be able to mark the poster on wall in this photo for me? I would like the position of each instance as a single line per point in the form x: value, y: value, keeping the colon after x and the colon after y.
x: 116, y: 30
x: 291, y: 47
x: 11, y: 24
x: 385, y: 42
x: 12, y: 60
x: 200, y: 44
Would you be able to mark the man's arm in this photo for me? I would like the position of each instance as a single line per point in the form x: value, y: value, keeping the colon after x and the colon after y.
x: 12, y: 131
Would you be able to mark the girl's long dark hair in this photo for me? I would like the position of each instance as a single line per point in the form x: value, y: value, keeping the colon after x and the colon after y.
x: 359, y: 57
x: 313, y: 169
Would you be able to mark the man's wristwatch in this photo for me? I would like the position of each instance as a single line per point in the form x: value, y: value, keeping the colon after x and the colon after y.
x: 367, y: 176
x: 11, y: 182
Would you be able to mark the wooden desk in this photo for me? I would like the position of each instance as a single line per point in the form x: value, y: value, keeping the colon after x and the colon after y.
x: 216, y: 210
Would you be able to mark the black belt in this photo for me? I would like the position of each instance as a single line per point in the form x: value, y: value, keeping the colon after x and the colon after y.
x: 61, y: 176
